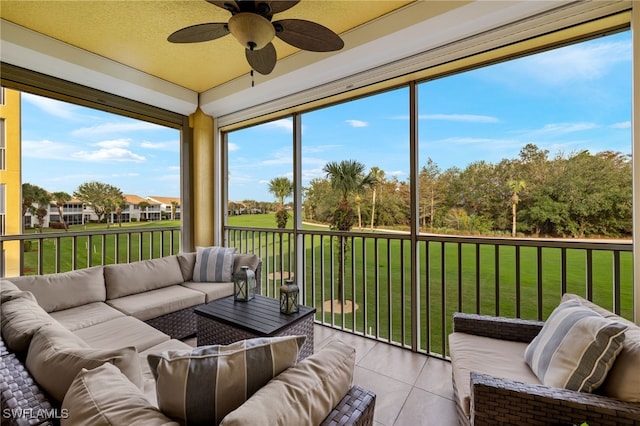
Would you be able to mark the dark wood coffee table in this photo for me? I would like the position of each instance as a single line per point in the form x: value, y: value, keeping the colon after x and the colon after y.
x: 225, y: 321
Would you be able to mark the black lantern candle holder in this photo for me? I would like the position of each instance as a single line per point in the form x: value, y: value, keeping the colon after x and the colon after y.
x: 244, y: 284
x: 289, y: 298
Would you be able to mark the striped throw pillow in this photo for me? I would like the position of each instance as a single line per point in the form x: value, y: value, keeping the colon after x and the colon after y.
x: 575, y: 348
x: 214, y: 264
x: 202, y: 385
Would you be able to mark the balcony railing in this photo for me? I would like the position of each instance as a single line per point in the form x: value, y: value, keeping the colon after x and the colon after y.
x: 392, y: 287
x: 48, y: 253
x: 407, y: 297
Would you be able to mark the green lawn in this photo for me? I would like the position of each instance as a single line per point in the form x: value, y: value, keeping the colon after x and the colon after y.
x: 380, y: 284
x: 141, y: 244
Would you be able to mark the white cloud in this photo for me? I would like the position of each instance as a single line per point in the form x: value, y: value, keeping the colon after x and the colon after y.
x: 395, y: 173
x: 318, y: 148
x: 283, y: 124
x: 468, y: 118
x: 621, y: 125
x: 108, y: 154
x: 356, y: 123
x: 575, y: 63
x: 115, y: 143
x: 51, y: 106
x: 232, y: 147
x: 46, y: 149
x: 161, y: 146
x: 119, y: 175
x: 116, y: 127
x: 558, y: 129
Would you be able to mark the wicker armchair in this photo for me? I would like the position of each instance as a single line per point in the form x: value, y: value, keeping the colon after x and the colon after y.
x: 498, y: 401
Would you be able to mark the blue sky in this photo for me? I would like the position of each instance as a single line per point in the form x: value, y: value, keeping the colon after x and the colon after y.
x: 565, y: 100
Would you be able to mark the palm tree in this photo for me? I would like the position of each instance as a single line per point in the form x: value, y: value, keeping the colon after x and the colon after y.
x: 347, y: 177
x: 515, y: 186
x: 174, y: 207
x: 281, y: 188
x: 61, y: 198
x: 378, y: 176
x: 144, y: 205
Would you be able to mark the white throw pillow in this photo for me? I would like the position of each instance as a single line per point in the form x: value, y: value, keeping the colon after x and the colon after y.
x: 575, y: 348
x: 214, y: 264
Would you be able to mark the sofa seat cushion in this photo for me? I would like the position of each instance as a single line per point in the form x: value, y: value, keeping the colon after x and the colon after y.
x: 575, y: 348
x: 149, y: 383
x: 104, y: 396
x: 20, y: 318
x: 622, y: 380
x: 137, y: 277
x: 303, y: 394
x: 202, y: 385
x: 154, y: 303
x: 212, y: 291
x: 499, y: 358
x: 55, y: 292
x: 86, y: 315
x: 56, y: 356
x: 121, y: 331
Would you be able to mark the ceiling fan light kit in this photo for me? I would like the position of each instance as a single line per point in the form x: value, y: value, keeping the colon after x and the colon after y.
x: 251, y: 25
x: 253, y: 31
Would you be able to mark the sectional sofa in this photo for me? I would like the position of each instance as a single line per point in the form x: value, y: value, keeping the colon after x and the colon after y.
x: 63, y: 334
x: 581, y: 365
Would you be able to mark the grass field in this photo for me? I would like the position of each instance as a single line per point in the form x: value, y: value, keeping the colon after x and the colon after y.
x: 377, y: 275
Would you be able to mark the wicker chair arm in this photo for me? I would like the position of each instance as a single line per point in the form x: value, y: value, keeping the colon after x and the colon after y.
x: 515, y: 329
x: 355, y: 408
x: 498, y: 401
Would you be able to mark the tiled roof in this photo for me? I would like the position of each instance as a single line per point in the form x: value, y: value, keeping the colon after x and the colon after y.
x: 164, y: 200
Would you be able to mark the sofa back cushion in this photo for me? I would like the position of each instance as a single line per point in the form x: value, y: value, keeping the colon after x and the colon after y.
x: 20, y: 318
x: 203, y: 385
x: 104, y: 396
x: 55, y: 292
x: 132, y: 278
x: 187, y: 262
x: 622, y: 380
x: 8, y: 291
x: 56, y: 356
x: 575, y: 348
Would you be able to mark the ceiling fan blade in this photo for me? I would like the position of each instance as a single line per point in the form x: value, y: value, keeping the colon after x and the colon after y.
x: 308, y: 35
x: 263, y: 60
x: 200, y: 32
x: 278, y: 6
x: 228, y: 5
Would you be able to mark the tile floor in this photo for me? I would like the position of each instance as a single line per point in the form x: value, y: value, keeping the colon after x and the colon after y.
x: 411, y: 389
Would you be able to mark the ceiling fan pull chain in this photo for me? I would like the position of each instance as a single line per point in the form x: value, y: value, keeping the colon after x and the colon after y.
x: 252, y: 82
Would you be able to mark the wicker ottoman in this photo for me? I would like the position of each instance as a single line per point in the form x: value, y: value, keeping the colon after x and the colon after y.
x: 225, y: 321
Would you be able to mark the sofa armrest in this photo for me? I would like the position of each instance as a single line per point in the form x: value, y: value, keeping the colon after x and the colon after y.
x: 355, y: 408
x: 498, y: 401
x: 515, y: 329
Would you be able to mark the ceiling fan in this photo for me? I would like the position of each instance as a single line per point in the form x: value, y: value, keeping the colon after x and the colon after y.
x: 251, y: 25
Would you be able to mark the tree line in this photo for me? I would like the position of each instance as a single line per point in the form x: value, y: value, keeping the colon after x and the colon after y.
x: 576, y: 195
x: 103, y: 198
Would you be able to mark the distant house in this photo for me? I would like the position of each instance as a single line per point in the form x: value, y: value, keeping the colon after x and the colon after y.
x: 169, y: 206
x: 74, y: 212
